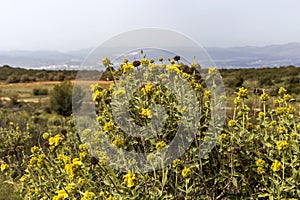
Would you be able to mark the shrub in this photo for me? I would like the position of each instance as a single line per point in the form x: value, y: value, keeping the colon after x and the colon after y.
x: 61, y: 98
x: 24, y: 78
x: 13, y: 79
x: 39, y: 91
x: 256, y: 155
x: 14, y: 99
x: 60, y: 77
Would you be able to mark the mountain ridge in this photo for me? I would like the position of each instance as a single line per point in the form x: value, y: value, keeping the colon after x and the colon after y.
x: 225, y: 57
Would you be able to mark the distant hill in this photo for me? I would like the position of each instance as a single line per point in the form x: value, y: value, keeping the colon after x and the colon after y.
x: 251, y: 56
x: 233, y: 57
x: 37, y: 59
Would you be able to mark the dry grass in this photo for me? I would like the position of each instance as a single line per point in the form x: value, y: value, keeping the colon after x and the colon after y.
x: 25, y: 90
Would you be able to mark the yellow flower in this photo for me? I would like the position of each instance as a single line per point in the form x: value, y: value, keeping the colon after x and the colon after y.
x: 264, y: 97
x: 281, y: 91
x: 55, y: 140
x: 88, y: 196
x: 276, y: 166
x: 23, y: 179
x: 144, y: 62
x: 282, y: 145
x: 34, y: 149
x: 243, y: 93
x: 223, y: 136
x: 287, y: 97
x: 33, y: 161
x: 45, y: 136
x: 293, y: 134
x: 82, y: 155
x: 237, y: 101
x: 82, y: 147
x: 17, y: 127
x: 260, y: 170
x: 186, y: 172
x: 127, y: 67
x: 11, y: 123
x: 298, y: 126
x: 276, y: 102
x: 273, y: 123
x: 177, y: 162
x: 146, y: 113
x: 69, y: 169
x: 207, y: 94
x: 41, y: 160
x: 63, y: 158
x: 280, y: 129
x: 74, y: 167
x: 212, y: 71
x: 81, y: 182
x: 257, y: 127
x: 118, y: 142
x: 291, y: 110
x: 247, y: 109
x: 160, y: 59
x: 99, y: 94
x: 110, y: 198
x: 198, y: 86
x: 111, y: 87
x: 186, y: 76
x: 195, y: 65
x: 129, y: 179
x: 160, y: 145
x: 153, y: 67
x: 261, y: 115
x: 71, y: 188
x: 108, y: 126
x: 125, y: 60
x: 61, y: 195
x: 281, y: 110
x: 147, y: 89
x: 240, y: 113
x: 76, y: 162
x: 260, y: 162
x: 249, y: 126
x: 231, y: 123
x: 4, y: 167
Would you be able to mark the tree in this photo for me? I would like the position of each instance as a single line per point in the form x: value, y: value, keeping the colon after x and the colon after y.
x: 61, y: 98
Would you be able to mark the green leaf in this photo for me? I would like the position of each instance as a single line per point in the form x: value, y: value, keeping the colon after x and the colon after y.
x: 288, y: 188
x: 234, y: 181
x: 264, y: 195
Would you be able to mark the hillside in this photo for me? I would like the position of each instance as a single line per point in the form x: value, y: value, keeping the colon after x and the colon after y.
x: 230, y: 57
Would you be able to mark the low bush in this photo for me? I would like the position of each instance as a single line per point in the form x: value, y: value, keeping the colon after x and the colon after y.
x: 256, y: 156
x: 39, y: 91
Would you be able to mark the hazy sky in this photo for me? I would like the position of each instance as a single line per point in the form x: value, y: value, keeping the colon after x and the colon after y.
x: 75, y: 24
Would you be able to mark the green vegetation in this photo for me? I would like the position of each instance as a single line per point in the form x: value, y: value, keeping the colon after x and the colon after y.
x: 61, y: 98
x: 43, y: 156
x: 16, y: 75
x: 7, y: 190
x: 271, y: 79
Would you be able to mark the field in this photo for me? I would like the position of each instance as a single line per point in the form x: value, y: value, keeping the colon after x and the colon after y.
x: 44, y: 155
x: 25, y: 90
